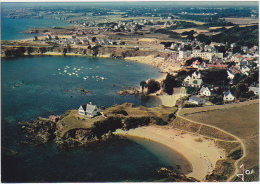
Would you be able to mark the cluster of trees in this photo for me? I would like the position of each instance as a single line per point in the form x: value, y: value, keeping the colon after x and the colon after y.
x: 171, y: 33
x: 190, y: 61
x: 241, y: 83
x: 213, y: 19
x: 216, y: 99
x: 152, y: 86
x: 15, y: 52
x: 216, y: 77
x: 242, y: 36
x: 169, y: 83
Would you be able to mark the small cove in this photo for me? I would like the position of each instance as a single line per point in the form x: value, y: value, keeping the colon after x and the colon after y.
x: 44, y: 91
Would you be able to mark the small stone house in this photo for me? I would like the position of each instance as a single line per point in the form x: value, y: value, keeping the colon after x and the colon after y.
x: 88, y: 110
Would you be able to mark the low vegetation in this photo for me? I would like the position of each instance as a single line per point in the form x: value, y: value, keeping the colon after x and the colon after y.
x: 242, y: 121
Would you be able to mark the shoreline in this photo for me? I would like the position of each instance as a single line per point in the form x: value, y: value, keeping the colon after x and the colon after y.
x: 166, y: 100
x: 202, y: 155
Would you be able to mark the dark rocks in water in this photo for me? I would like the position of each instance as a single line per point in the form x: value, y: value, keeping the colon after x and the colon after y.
x: 40, y: 131
x: 83, y: 138
x: 130, y: 91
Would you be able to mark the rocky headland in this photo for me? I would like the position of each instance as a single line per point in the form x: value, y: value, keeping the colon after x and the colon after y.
x: 72, y: 129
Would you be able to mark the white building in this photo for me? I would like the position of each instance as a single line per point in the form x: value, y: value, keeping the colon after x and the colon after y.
x: 205, y: 91
x: 245, y: 70
x: 196, y: 100
x: 206, y: 55
x: 230, y: 75
x: 254, y: 89
x: 203, y: 66
x: 228, y: 96
x: 196, y: 75
x: 88, y: 110
x: 184, y: 54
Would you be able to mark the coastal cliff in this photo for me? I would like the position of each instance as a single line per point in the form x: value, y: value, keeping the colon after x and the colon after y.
x: 72, y: 129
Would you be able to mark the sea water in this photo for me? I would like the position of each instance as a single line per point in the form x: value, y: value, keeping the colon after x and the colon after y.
x: 12, y: 29
x: 39, y: 86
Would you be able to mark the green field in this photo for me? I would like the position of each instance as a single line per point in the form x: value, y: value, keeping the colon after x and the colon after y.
x: 241, y: 120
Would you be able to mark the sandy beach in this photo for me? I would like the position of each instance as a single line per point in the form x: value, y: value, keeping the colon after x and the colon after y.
x: 202, y: 155
x: 158, y: 62
x: 169, y: 100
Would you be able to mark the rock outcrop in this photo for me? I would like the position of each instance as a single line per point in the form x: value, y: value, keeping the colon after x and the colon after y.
x: 175, y: 176
x: 40, y: 131
x: 72, y: 129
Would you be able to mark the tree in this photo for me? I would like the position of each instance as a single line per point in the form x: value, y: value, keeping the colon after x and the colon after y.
x: 8, y: 53
x: 143, y: 84
x: 42, y: 50
x: 153, y: 86
x: 94, y: 39
x: 29, y: 50
x: 250, y: 94
x: 236, y: 49
x: 95, y: 50
x: 215, y: 77
x: 169, y: 83
x: 215, y: 99
x: 238, y: 77
x: 65, y: 50
x: 190, y: 61
x: 192, y: 90
x: 240, y: 90
x: 203, y: 38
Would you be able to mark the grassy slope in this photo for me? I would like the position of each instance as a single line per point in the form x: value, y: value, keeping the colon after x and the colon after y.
x: 72, y: 120
x: 241, y: 121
